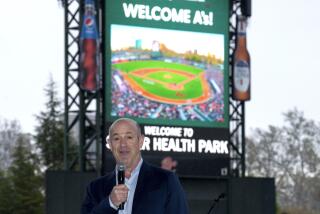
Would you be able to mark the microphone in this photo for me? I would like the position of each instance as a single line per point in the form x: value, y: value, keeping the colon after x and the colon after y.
x: 120, y: 179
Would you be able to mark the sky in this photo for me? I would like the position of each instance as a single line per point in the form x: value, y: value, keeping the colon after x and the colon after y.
x: 196, y: 41
x: 282, y: 38
x: 284, y: 44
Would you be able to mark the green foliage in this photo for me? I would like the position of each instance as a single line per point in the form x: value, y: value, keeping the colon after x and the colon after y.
x: 21, y: 189
x: 50, y: 131
x: 6, y: 194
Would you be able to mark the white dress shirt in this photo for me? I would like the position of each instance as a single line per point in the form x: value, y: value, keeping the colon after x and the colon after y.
x: 131, y: 183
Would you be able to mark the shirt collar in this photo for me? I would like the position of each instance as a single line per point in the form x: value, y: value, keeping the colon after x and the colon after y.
x: 134, y: 173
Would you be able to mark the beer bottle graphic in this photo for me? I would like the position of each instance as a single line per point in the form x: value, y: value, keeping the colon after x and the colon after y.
x: 241, y: 64
x: 89, y: 49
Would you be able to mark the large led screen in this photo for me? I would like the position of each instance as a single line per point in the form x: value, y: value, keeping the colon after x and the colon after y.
x: 167, y: 62
x: 166, y: 66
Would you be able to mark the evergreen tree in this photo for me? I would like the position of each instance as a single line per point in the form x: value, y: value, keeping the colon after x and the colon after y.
x: 21, y: 191
x: 50, y: 132
x: 6, y: 196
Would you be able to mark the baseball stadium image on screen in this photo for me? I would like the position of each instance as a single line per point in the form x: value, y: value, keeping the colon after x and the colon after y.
x: 167, y: 74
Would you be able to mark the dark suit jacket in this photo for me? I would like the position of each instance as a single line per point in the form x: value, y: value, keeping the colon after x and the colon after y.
x: 158, y: 191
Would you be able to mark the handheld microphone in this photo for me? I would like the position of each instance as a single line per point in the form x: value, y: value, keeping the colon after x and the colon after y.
x: 120, y: 178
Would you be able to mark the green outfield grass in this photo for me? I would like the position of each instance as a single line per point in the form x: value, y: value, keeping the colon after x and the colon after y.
x: 192, y: 89
x: 167, y: 76
x: 135, y: 65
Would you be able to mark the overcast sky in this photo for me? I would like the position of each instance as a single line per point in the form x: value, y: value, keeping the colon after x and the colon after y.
x: 283, y: 40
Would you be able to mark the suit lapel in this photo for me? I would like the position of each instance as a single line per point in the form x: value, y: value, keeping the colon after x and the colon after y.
x: 140, y: 188
x: 110, y: 182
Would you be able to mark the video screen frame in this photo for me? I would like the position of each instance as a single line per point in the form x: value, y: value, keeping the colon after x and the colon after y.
x: 184, y: 85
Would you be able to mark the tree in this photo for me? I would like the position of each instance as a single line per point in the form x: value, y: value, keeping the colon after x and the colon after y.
x: 302, y: 143
x: 21, y: 189
x: 50, y: 131
x: 6, y: 196
x: 290, y: 154
x: 9, y: 132
x: 261, y: 149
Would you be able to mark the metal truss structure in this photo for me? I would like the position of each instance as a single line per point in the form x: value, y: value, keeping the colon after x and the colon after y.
x: 82, y: 109
x: 236, y: 108
x: 83, y: 113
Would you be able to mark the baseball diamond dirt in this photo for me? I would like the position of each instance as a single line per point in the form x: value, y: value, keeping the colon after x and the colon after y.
x: 168, y: 83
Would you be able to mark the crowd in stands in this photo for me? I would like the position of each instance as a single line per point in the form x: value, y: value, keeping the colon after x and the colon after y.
x: 126, y: 102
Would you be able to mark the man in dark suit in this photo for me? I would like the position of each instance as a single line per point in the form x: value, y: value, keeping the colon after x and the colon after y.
x: 147, y: 189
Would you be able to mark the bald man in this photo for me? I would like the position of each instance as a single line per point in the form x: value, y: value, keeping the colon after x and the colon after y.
x: 147, y: 189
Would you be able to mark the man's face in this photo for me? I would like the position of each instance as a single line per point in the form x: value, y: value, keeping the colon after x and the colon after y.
x: 125, y: 143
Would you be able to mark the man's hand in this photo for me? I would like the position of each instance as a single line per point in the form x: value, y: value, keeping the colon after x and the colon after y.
x: 119, y: 194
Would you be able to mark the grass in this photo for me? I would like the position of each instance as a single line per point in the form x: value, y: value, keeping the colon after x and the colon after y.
x: 167, y: 76
x: 192, y: 89
x: 135, y: 65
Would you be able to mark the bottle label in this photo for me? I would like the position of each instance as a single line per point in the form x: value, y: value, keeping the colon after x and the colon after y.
x: 241, y: 76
